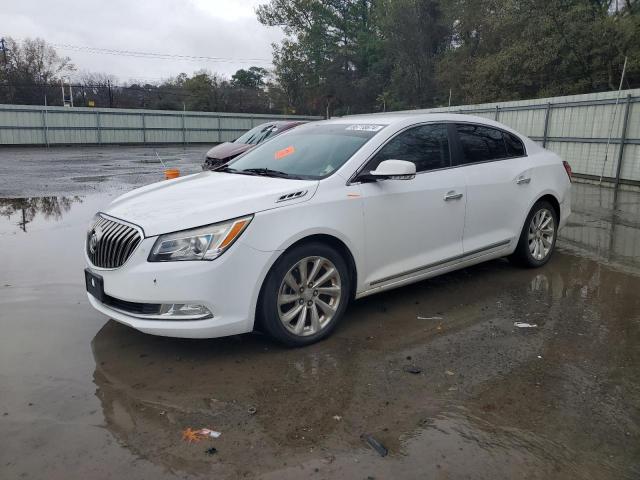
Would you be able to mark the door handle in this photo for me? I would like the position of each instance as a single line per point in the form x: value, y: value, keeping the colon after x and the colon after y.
x: 452, y: 195
x: 522, y: 180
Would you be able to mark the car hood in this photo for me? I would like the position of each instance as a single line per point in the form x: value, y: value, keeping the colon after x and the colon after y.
x: 227, y: 150
x: 206, y: 198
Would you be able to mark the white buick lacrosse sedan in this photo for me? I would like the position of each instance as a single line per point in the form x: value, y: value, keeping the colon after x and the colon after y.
x: 285, y: 236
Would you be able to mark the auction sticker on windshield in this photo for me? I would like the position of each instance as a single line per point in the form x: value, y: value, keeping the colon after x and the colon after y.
x: 365, y: 128
x: 284, y: 152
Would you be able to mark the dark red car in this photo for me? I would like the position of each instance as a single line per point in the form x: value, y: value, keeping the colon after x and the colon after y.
x: 221, y: 154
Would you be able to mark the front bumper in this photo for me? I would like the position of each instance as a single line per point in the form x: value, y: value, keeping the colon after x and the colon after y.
x: 228, y: 286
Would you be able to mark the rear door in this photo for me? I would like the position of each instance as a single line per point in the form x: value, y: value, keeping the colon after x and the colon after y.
x: 411, y: 225
x: 498, y: 180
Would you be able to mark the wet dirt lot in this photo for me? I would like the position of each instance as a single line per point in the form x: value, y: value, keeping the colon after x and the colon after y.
x: 84, y: 397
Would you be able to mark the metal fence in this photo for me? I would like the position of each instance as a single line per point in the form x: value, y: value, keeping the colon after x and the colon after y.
x: 577, y: 128
x: 38, y: 125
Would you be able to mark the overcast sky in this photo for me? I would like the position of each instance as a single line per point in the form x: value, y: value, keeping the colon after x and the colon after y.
x: 212, y: 28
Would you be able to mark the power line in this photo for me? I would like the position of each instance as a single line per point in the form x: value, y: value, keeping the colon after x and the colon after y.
x: 156, y: 55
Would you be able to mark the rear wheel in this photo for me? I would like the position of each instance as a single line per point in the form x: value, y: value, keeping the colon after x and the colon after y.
x: 305, y: 295
x: 538, y: 237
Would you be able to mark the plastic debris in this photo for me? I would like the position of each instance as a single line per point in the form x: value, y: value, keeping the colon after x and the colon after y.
x: 209, y: 433
x: 412, y: 369
x: 525, y: 325
x: 428, y: 318
x: 449, y: 372
x: 211, y: 451
x: 252, y: 410
x: 376, y: 445
x: 337, y: 418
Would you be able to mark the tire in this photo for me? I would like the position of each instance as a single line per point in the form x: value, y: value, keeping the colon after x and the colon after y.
x: 536, y: 245
x: 319, y: 307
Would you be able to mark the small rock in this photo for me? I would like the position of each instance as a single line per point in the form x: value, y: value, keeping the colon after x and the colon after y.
x: 211, y: 451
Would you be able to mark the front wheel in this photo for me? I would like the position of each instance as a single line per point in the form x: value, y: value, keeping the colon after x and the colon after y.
x: 305, y: 295
x: 538, y: 237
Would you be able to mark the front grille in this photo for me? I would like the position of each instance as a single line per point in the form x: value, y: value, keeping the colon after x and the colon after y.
x: 110, y: 243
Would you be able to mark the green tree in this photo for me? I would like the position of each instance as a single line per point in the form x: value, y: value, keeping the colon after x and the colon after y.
x: 253, y: 78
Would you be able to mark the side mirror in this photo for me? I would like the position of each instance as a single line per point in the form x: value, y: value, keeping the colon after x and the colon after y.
x: 394, y: 170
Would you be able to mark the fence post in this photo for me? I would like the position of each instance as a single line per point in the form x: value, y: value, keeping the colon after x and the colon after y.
x: 144, y: 128
x: 623, y: 138
x: 546, y: 125
x: 184, y: 130
x: 497, y: 112
x: 98, y: 127
x: 45, y: 127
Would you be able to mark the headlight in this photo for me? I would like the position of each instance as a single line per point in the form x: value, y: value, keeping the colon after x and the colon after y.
x: 204, y: 243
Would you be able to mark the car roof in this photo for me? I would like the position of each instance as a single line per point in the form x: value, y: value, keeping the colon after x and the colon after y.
x: 407, y: 118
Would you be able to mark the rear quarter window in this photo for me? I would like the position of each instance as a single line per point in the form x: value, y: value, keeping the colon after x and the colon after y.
x: 515, y: 147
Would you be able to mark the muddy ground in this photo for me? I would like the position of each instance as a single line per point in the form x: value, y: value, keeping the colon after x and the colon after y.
x: 84, y: 397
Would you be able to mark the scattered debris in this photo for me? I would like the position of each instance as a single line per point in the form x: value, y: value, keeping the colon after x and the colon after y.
x: 376, y: 445
x: 428, y: 318
x: 412, y: 369
x: 337, y: 418
x: 252, y: 410
x: 211, y: 451
x: 209, y: 433
x: 525, y: 325
x: 192, y: 436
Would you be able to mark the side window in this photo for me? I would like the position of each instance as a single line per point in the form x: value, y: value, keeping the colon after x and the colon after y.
x: 515, y: 148
x: 480, y: 143
x: 427, y: 146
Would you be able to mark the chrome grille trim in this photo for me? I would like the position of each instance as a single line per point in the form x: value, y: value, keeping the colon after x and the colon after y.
x: 115, y: 243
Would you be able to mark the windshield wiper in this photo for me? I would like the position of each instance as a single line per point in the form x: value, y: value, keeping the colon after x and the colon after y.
x: 267, y: 172
x: 227, y: 169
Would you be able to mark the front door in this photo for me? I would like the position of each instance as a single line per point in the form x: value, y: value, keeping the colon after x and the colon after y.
x: 413, y: 225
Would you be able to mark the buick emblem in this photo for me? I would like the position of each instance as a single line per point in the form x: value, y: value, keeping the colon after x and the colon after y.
x: 94, y: 239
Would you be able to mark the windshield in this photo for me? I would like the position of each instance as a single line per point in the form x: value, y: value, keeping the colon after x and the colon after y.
x: 313, y: 151
x: 257, y: 134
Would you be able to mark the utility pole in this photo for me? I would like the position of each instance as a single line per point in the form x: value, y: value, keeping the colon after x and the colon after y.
x: 110, y: 94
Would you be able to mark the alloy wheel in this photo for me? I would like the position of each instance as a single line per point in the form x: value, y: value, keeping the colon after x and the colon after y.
x: 309, y: 296
x: 541, y: 234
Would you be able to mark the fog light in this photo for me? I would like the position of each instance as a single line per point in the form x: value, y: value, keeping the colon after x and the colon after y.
x: 184, y: 311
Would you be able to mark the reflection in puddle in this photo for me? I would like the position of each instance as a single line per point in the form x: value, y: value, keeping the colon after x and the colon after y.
x: 605, y: 225
x: 23, y: 211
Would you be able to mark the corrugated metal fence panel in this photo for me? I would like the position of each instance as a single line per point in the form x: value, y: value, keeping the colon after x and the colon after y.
x: 578, y: 128
x: 35, y: 125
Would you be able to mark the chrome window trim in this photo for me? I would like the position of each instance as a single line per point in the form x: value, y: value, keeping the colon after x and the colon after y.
x: 352, y: 178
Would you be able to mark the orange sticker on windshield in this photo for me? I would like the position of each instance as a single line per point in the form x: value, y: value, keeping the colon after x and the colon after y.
x: 284, y: 152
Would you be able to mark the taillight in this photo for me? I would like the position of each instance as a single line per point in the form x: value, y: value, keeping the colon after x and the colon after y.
x: 567, y: 168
